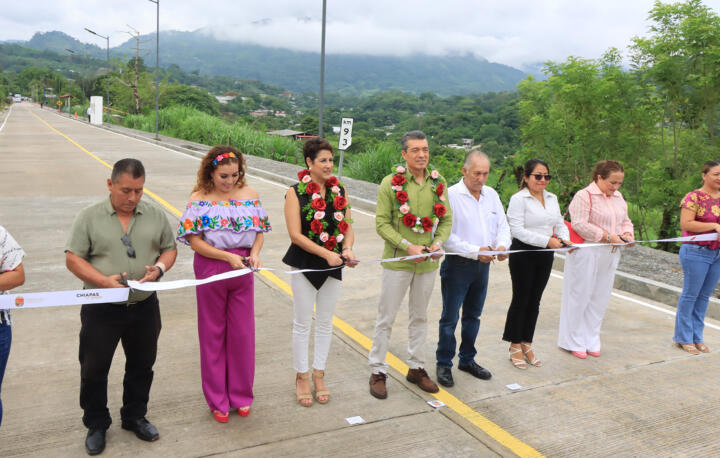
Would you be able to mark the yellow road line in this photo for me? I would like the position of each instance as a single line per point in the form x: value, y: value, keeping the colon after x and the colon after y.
x: 488, y: 427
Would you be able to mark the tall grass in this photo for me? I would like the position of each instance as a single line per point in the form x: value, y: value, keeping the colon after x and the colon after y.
x: 194, y: 125
x: 374, y: 164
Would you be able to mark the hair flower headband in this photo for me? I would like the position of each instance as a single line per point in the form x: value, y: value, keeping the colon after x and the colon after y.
x: 221, y: 157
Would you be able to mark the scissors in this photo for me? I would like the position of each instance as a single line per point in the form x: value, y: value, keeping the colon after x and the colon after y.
x: 247, y: 264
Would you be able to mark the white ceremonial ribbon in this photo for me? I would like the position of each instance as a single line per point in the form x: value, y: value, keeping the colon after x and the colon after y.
x: 166, y: 285
x: 94, y: 296
x: 689, y: 238
x: 59, y: 298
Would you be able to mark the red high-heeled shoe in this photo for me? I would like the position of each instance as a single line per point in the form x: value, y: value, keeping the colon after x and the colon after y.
x: 244, y: 411
x: 220, y: 417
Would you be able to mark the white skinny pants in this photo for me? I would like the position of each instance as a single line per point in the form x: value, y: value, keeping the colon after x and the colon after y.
x: 304, y: 297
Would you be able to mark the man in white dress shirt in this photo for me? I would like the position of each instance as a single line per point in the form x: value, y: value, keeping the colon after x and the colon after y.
x: 478, y: 224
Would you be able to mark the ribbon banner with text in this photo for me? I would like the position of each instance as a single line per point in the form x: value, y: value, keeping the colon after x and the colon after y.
x: 119, y: 295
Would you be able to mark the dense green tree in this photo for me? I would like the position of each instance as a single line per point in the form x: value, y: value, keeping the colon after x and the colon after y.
x: 178, y: 94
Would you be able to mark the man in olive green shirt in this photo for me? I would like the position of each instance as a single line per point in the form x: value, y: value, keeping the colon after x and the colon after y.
x: 413, y: 217
x: 112, y: 241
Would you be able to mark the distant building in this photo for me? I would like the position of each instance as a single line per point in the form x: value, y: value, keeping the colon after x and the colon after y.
x: 280, y: 114
x: 261, y: 112
x: 294, y: 134
x: 467, y: 143
x: 336, y: 129
x: 224, y: 99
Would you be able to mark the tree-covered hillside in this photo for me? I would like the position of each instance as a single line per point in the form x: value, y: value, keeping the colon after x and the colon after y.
x: 300, y: 71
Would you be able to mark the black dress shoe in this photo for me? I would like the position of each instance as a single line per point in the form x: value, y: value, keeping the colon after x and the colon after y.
x: 95, y: 441
x: 142, y: 428
x: 476, y: 370
x: 444, y: 376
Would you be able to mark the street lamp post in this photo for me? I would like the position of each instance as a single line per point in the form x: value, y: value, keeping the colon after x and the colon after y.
x: 157, y: 70
x: 322, y: 73
x: 107, y: 58
x: 69, y: 98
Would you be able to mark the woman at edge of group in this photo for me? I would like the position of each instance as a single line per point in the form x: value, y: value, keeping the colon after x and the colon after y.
x: 224, y: 224
x: 699, y: 214
x: 535, y: 222
x: 12, y: 275
x: 598, y: 214
x: 319, y: 224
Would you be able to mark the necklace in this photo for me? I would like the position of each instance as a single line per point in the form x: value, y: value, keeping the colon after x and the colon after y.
x: 318, y: 209
x: 419, y: 224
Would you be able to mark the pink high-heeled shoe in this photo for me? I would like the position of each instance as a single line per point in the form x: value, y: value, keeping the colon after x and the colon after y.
x: 579, y: 354
x: 596, y: 354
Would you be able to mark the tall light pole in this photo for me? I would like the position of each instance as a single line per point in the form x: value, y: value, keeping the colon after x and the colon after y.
x: 322, y: 73
x: 107, y: 58
x: 71, y: 54
x: 157, y: 71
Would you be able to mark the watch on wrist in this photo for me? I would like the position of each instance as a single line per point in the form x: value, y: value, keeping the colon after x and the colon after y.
x: 161, y: 272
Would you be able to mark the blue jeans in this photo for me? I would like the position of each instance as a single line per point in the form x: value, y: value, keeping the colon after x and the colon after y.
x: 5, y: 339
x: 701, y: 271
x: 463, y: 282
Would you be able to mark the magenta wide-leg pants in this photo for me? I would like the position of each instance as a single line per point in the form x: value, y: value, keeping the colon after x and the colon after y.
x: 226, y: 327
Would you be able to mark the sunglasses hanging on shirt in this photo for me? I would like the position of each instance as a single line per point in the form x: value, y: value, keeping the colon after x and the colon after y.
x: 130, y: 250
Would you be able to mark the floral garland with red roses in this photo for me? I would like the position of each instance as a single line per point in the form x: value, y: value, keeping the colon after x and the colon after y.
x: 315, y: 210
x: 419, y: 224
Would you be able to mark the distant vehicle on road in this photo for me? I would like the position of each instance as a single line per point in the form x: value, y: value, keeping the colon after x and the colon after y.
x: 17, y: 98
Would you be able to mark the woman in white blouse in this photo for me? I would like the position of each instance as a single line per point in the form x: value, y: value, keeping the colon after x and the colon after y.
x: 535, y: 222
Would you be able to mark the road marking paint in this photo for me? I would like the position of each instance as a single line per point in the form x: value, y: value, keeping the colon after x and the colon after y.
x: 275, y: 183
x: 6, y: 117
x: 491, y: 429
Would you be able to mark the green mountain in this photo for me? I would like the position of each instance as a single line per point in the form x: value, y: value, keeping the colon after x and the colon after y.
x: 15, y: 58
x: 61, y: 42
x: 300, y: 71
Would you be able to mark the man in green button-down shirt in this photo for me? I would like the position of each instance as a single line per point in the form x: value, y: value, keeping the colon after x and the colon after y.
x: 412, y: 216
x: 120, y: 238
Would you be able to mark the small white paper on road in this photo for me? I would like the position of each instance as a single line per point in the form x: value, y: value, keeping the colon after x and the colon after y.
x: 436, y: 403
x: 514, y: 386
x: 355, y: 420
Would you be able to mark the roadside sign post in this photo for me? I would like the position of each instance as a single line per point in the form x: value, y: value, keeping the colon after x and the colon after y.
x: 345, y: 140
x: 96, y: 110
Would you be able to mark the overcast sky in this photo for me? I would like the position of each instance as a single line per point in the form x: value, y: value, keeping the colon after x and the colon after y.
x: 510, y: 32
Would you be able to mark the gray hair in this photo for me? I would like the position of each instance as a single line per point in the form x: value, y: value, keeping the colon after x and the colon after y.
x: 133, y: 167
x: 412, y: 135
x: 474, y: 154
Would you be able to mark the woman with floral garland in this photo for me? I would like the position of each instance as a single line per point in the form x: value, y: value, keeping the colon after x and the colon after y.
x: 319, y: 224
x: 224, y: 224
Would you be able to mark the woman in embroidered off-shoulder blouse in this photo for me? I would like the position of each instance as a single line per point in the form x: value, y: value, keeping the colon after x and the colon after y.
x: 224, y: 224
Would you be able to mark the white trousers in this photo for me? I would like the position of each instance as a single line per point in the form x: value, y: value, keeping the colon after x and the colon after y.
x: 304, y: 297
x: 588, y: 283
x: 394, y: 285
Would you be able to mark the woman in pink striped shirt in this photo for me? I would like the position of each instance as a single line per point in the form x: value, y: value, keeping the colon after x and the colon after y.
x: 598, y: 214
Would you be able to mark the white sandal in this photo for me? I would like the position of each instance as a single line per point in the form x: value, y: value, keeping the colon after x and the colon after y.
x: 535, y: 362
x: 517, y: 362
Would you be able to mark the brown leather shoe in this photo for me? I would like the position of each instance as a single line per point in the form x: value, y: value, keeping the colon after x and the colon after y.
x: 422, y: 379
x: 377, y: 385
